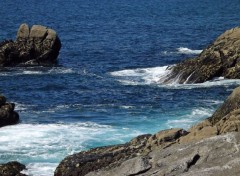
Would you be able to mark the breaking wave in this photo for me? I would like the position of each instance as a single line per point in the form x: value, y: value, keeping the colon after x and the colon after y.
x: 43, y: 146
x: 183, y: 50
x: 158, y: 75
x: 186, y: 121
x: 141, y: 76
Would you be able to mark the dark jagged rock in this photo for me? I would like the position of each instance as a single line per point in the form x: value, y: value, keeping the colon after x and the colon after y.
x: 220, y: 59
x: 209, y: 148
x: 38, y: 46
x: 13, y: 168
x: 7, y: 114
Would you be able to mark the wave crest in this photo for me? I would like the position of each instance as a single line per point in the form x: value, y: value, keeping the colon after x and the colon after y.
x: 159, y: 76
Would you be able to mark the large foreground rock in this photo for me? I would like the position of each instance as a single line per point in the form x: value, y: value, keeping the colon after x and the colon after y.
x: 210, y: 147
x: 13, y: 168
x: 220, y: 59
x: 38, y: 46
x: 209, y: 157
x: 113, y: 156
x: 7, y: 114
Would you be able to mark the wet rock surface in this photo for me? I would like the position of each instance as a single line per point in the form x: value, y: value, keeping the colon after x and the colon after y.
x: 13, y: 168
x: 220, y: 59
x: 7, y: 114
x: 35, y: 46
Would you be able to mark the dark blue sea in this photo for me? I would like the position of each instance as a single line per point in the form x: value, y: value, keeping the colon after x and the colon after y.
x: 107, y: 86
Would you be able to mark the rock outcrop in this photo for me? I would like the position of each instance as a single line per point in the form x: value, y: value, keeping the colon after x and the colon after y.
x: 38, y: 46
x: 209, y: 148
x: 101, y: 157
x: 113, y: 156
x: 13, y: 168
x: 217, y: 155
x: 220, y: 59
x: 7, y: 114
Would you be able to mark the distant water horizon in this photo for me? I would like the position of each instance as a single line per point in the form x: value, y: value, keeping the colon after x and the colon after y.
x: 107, y: 87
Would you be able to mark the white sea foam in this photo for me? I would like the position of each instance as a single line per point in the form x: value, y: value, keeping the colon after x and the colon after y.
x: 186, y: 121
x: 184, y: 50
x: 43, y: 146
x: 157, y: 76
x: 40, y: 169
x: 22, y: 107
x: 26, y: 72
x: 36, y: 71
x: 142, y: 76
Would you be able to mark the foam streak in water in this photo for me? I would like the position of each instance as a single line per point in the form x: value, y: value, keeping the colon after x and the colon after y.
x: 36, y: 71
x: 183, y: 50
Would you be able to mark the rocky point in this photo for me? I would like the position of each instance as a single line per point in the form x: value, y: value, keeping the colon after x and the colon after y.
x: 220, y: 59
x: 35, y: 46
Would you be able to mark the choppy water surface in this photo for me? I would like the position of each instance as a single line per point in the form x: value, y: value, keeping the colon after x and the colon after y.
x: 108, y: 85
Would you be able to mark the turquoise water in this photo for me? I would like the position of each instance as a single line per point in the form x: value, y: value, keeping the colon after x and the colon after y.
x: 107, y: 87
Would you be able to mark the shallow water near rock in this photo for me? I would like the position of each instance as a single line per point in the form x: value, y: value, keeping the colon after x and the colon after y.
x: 107, y: 88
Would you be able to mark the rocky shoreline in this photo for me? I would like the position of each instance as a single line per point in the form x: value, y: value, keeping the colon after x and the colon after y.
x: 201, y: 150
x: 210, y: 147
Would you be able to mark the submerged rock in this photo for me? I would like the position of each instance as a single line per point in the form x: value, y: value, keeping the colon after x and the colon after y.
x: 13, y: 168
x: 220, y: 59
x: 38, y: 46
x: 7, y: 114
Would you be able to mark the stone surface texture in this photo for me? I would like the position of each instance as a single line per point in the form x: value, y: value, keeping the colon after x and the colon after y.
x: 13, y: 168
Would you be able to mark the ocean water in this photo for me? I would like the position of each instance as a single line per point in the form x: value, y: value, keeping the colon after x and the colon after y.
x: 108, y: 86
